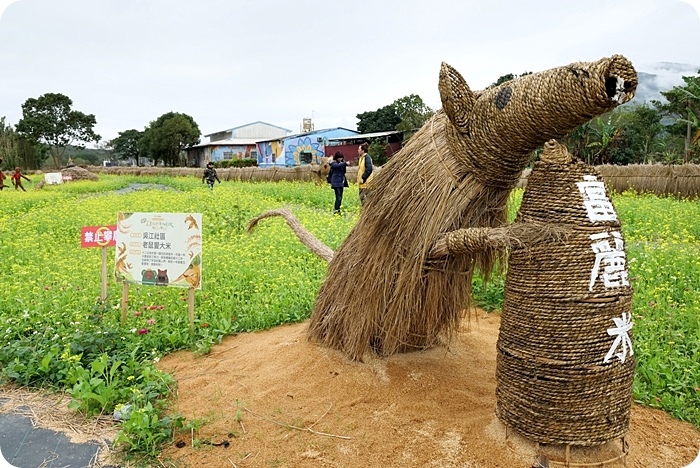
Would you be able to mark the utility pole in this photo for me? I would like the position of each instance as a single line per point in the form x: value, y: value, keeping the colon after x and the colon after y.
x: 686, y: 157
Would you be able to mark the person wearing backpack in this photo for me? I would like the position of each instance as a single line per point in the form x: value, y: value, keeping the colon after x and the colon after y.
x: 337, y: 179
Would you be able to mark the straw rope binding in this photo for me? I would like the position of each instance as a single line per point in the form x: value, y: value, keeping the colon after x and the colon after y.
x: 565, y: 362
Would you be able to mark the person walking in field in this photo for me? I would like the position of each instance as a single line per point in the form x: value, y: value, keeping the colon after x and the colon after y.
x: 17, y: 177
x: 364, y: 170
x: 2, y: 176
x: 338, y: 180
x: 210, y: 175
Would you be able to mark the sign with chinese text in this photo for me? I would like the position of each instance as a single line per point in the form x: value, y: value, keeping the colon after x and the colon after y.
x: 163, y: 249
x: 98, y: 236
x: 610, y: 265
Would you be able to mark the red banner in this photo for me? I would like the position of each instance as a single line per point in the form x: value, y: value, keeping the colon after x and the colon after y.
x: 98, y: 236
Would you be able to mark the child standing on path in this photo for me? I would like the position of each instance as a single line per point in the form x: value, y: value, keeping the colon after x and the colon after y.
x: 17, y: 177
x: 210, y: 175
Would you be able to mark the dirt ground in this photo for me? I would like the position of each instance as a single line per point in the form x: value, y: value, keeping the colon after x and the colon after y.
x: 273, y: 399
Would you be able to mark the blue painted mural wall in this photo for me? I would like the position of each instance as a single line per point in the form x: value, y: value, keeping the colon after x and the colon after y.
x: 237, y: 152
x: 289, y: 152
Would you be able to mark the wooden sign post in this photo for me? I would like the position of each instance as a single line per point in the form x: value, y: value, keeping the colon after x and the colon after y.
x: 125, y: 299
x: 190, y: 306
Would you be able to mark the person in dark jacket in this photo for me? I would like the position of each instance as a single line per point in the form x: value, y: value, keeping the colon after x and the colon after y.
x: 338, y: 180
x: 210, y: 175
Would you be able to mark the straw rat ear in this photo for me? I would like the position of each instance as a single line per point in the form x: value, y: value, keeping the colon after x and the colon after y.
x: 457, y: 99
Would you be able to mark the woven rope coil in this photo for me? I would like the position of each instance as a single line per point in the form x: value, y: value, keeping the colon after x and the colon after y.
x: 553, y: 385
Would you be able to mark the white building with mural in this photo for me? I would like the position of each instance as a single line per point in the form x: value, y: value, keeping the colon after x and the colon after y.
x: 234, y: 143
x: 299, y: 149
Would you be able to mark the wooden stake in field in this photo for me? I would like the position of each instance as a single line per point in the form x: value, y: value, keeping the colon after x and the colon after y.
x: 383, y: 293
x: 103, y: 237
x: 125, y: 299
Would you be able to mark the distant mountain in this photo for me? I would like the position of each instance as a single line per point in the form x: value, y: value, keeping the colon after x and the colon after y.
x: 659, y: 77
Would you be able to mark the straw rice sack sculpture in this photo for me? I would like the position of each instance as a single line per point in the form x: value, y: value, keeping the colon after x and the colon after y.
x: 565, y: 363
x: 382, y: 293
x: 565, y: 360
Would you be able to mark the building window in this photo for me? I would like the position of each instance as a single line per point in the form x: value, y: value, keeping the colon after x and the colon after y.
x: 228, y: 154
x: 305, y: 158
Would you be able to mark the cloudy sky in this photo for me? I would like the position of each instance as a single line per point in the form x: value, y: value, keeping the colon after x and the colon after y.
x: 230, y: 62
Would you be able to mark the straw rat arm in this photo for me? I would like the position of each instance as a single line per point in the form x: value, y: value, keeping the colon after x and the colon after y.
x: 470, y: 241
x: 306, y: 238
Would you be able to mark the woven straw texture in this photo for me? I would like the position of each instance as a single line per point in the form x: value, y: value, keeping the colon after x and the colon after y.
x: 552, y: 383
x: 383, y: 293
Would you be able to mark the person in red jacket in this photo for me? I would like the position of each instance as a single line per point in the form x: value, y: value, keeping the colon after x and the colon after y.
x: 17, y: 179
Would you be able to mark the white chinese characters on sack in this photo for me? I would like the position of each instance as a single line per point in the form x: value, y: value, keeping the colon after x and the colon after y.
x: 610, y: 259
x: 621, y: 332
x: 597, y: 204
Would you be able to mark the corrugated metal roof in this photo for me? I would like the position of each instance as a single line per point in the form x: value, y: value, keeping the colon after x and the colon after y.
x: 360, y: 136
x: 312, y: 132
x: 248, y: 125
x: 230, y: 142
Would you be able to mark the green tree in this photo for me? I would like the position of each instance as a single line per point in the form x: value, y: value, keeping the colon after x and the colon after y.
x: 382, y: 120
x: 49, y: 119
x: 412, y: 111
x: 578, y: 140
x: 605, y: 135
x: 167, y: 136
x: 8, y: 145
x: 507, y: 77
x: 642, y: 132
x: 18, y: 151
x: 406, y: 114
x: 683, y: 107
x: 128, y: 145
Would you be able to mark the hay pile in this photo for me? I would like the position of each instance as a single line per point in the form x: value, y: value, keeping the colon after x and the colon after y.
x: 78, y: 173
x: 321, y: 170
x: 71, y: 173
x: 382, y: 294
x: 680, y: 181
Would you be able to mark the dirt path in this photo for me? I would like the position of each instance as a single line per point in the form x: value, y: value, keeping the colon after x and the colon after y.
x: 427, y: 409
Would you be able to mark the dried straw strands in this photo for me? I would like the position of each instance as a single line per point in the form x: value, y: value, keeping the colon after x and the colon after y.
x: 563, y: 376
x: 382, y: 293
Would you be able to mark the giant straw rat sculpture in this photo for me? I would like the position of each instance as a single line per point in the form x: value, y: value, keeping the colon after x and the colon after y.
x: 382, y: 293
